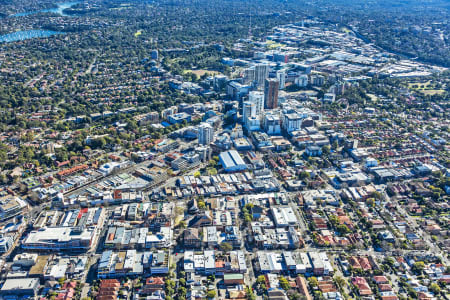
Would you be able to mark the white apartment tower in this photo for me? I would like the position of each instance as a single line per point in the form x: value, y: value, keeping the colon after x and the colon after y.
x: 257, y: 98
x: 248, y: 110
x: 281, y: 76
x: 205, y: 134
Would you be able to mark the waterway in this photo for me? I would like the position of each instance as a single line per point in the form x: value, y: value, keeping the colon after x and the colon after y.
x: 56, y: 10
x: 27, y: 34
x: 37, y: 33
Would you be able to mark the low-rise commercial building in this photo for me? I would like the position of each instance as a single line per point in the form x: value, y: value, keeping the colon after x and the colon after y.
x: 59, y: 239
x: 20, y: 287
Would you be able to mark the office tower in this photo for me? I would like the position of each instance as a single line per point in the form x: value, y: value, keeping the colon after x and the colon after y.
x: 261, y: 73
x: 205, y: 134
x: 271, y: 93
x: 258, y: 99
x: 281, y: 76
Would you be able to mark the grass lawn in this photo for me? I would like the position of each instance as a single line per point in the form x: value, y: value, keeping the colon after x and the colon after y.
x: 425, y: 87
x: 419, y: 84
x: 433, y: 92
x: 273, y: 45
x: 200, y: 73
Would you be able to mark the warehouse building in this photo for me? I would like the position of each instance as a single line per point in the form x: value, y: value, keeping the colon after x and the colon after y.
x: 232, y: 161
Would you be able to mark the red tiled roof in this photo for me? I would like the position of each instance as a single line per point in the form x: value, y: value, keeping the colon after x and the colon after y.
x: 384, y: 287
x: 154, y: 280
x: 380, y: 279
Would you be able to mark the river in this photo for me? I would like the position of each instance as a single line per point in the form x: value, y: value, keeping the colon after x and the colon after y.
x: 57, y: 10
x: 37, y: 33
x: 27, y: 34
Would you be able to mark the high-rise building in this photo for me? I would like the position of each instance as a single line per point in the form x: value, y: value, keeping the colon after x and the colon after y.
x: 317, y: 80
x: 339, y: 88
x: 272, y: 123
x: 302, y: 80
x: 205, y: 134
x: 257, y: 98
x: 249, y: 75
x: 249, y: 118
x: 292, y: 122
x: 204, y: 153
x: 236, y: 90
x: 281, y: 76
x: 261, y: 73
x: 248, y: 110
x: 271, y: 93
